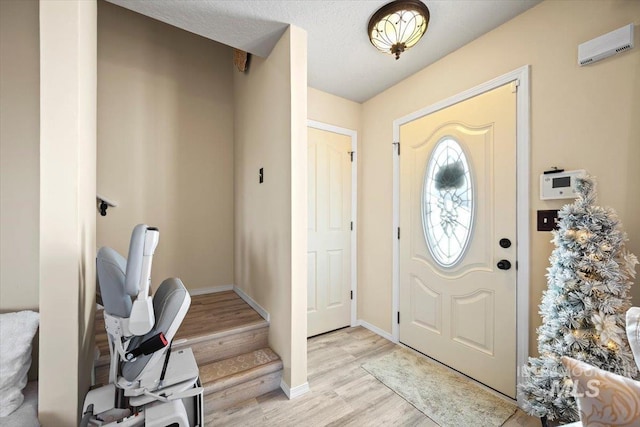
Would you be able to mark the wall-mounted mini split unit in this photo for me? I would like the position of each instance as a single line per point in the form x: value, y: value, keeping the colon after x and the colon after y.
x: 616, y: 41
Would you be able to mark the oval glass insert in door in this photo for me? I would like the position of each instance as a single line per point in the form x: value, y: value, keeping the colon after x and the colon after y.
x: 447, y: 204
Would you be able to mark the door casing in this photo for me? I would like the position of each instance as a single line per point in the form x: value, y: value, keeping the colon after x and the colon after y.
x: 521, y: 77
x: 354, y: 206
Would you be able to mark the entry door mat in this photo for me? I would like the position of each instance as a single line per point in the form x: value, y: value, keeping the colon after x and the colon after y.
x: 444, y: 396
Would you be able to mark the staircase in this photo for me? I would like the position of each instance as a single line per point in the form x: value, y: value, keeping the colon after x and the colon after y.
x: 229, y: 341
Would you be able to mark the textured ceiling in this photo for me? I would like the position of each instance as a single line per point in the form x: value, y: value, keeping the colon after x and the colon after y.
x: 341, y: 60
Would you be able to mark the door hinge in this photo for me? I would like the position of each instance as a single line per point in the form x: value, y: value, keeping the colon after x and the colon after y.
x: 351, y: 294
x: 351, y: 225
x: 351, y: 153
x: 514, y: 86
x: 398, y: 233
x: 398, y: 145
x: 398, y: 318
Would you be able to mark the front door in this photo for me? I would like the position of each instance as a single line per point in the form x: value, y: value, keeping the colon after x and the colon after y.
x: 458, y: 259
x: 329, y: 253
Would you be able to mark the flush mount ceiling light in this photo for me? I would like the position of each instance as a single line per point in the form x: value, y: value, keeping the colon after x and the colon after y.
x: 398, y: 25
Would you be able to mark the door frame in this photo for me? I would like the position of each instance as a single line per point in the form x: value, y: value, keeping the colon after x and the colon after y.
x: 354, y: 205
x: 521, y: 77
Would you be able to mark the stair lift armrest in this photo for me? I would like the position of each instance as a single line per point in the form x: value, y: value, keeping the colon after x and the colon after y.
x: 142, y: 317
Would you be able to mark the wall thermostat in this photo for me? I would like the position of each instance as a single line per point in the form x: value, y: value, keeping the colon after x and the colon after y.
x: 558, y: 184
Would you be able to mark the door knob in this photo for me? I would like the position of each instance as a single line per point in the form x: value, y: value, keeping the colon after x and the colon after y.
x: 505, y: 243
x: 503, y: 264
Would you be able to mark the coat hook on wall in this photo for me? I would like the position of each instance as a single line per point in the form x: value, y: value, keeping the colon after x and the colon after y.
x: 104, y: 203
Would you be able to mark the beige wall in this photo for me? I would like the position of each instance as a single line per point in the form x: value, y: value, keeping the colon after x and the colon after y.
x: 582, y: 117
x: 165, y: 144
x: 19, y: 154
x: 67, y: 206
x: 270, y: 227
x: 334, y: 110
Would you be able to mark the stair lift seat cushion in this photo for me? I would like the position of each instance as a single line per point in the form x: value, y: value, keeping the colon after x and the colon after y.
x: 167, y: 303
x: 633, y: 332
x: 111, y: 268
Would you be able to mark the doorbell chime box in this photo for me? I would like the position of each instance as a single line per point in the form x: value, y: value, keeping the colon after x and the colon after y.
x: 559, y: 185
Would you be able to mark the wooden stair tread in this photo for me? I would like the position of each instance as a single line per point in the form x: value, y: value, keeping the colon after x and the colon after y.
x: 181, y: 342
x: 217, y: 312
x: 239, y: 369
x: 210, y: 317
x: 208, y: 335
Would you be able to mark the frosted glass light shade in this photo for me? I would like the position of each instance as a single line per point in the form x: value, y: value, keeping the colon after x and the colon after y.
x: 399, y: 25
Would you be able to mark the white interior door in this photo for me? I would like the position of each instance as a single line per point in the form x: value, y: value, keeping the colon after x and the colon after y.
x: 329, y: 253
x: 457, y: 211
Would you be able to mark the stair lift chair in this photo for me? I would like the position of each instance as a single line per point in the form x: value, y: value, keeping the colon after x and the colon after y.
x: 149, y: 384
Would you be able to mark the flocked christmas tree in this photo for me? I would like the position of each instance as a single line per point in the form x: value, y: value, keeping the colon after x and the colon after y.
x: 583, y: 309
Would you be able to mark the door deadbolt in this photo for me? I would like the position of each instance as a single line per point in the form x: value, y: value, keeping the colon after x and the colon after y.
x: 504, y: 264
x: 505, y: 243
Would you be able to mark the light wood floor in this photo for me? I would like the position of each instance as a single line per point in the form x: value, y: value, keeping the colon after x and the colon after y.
x: 342, y: 393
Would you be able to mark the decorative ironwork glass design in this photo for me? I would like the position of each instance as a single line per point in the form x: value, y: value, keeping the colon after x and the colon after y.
x: 447, y: 202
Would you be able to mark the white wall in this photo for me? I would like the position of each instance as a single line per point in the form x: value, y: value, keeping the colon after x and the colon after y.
x: 19, y: 154
x: 270, y: 227
x: 165, y: 144
x: 582, y: 117
x: 67, y: 206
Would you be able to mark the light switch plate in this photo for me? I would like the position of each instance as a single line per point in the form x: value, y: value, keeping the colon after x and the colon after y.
x: 548, y: 220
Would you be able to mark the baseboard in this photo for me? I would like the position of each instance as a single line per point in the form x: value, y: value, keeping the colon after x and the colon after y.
x: 376, y: 330
x: 210, y: 290
x: 297, y: 391
x: 257, y: 307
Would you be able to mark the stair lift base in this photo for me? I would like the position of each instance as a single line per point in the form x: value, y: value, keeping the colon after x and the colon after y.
x: 144, y: 409
x: 186, y: 412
